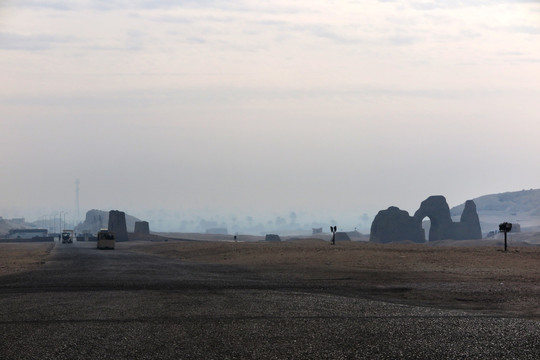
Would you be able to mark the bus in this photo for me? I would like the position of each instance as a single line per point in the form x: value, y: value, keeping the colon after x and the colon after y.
x: 105, y: 240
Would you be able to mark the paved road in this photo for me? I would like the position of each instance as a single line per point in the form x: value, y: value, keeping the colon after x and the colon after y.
x: 90, y: 304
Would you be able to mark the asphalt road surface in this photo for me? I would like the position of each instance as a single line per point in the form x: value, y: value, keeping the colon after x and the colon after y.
x: 90, y: 304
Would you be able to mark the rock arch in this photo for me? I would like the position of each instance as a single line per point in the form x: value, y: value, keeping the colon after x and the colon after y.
x: 394, y: 224
x: 437, y: 210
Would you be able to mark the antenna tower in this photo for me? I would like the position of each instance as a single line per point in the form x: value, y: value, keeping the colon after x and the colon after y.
x: 77, y: 182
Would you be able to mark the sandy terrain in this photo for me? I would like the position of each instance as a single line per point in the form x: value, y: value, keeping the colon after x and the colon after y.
x: 16, y: 257
x: 465, y: 277
x: 291, y: 300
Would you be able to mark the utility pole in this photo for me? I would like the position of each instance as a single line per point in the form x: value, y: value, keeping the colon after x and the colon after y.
x: 77, y: 182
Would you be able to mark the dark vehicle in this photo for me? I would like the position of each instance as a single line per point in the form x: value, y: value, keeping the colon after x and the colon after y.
x: 67, y: 237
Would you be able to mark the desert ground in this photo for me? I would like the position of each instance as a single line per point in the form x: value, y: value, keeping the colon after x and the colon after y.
x: 17, y: 257
x: 164, y: 298
x: 467, y: 275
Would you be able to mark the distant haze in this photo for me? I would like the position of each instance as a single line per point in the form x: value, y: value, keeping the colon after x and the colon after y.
x: 221, y: 110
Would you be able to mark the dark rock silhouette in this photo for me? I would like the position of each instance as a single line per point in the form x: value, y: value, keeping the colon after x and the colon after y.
x: 394, y: 224
x: 142, y: 227
x: 470, y: 222
x: 438, y: 211
x: 117, y: 224
x: 272, y: 237
x: 316, y: 230
x: 98, y: 219
x: 342, y: 236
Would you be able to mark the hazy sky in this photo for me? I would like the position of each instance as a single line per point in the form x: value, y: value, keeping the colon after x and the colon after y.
x: 332, y: 107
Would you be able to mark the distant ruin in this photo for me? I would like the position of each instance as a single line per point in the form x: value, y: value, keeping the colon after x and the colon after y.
x: 272, y: 237
x: 394, y: 224
x: 342, y: 236
x: 117, y: 224
x: 142, y: 227
x: 98, y: 219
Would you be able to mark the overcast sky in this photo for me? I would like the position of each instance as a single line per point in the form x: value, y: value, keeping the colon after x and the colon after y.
x: 338, y: 108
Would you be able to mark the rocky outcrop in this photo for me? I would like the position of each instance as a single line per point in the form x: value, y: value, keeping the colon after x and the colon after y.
x: 117, y: 225
x: 394, y: 224
x: 98, y: 219
x: 95, y: 220
x: 342, y: 236
x: 438, y: 211
x: 142, y: 227
x: 272, y: 237
x: 470, y: 221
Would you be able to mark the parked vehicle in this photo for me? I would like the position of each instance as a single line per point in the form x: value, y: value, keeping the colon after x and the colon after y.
x: 105, y: 240
x: 67, y: 236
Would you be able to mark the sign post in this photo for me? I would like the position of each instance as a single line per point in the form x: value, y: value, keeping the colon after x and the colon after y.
x: 333, y: 229
x: 505, y: 227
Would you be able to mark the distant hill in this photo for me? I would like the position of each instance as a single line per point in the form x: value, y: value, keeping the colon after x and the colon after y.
x: 521, y: 207
x: 7, y: 224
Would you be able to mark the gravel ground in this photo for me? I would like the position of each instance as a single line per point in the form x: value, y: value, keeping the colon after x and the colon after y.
x: 87, y: 304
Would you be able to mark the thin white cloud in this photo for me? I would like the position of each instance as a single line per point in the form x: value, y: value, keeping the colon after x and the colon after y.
x: 13, y: 41
x: 260, y: 89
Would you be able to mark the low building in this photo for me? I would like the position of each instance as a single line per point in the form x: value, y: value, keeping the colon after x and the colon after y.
x: 27, y: 233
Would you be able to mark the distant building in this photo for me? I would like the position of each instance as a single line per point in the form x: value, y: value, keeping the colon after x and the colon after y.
x: 26, y: 233
x: 317, y: 230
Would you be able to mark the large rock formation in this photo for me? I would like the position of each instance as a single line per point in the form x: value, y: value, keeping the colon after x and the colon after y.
x: 117, y: 224
x: 470, y: 223
x: 394, y: 224
x: 95, y: 220
x: 142, y: 227
x: 438, y: 211
x: 98, y: 219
